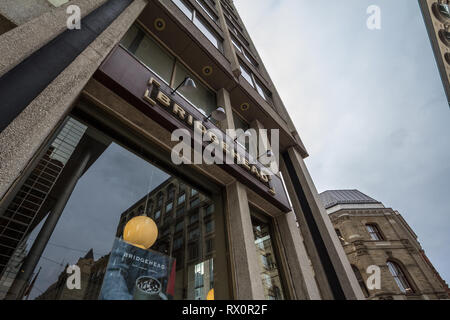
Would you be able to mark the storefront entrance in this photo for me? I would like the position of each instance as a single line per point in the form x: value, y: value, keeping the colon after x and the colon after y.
x: 69, y: 216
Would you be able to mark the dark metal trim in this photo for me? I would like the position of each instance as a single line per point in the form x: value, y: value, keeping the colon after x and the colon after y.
x: 21, y: 85
x: 322, y: 251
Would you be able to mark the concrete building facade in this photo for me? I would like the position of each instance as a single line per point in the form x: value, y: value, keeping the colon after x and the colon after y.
x: 436, y: 15
x: 86, y: 128
x: 373, y: 235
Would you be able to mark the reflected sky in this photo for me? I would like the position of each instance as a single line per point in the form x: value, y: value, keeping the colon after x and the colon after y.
x: 116, y: 181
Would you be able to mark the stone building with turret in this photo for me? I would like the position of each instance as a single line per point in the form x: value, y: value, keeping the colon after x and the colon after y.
x: 373, y: 234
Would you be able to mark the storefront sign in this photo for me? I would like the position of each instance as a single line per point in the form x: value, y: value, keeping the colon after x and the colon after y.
x: 129, y: 78
x: 154, y: 95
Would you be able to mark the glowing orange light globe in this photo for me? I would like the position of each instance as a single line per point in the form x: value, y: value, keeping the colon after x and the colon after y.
x: 210, y: 295
x: 141, y: 232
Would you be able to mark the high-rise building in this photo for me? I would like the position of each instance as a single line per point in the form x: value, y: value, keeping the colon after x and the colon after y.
x: 436, y: 14
x: 373, y: 235
x: 101, y: 86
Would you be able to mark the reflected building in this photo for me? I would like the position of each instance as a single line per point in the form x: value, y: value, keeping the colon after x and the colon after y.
x: 12, y: 268
x: 185, y: 220
x: 91, y: 272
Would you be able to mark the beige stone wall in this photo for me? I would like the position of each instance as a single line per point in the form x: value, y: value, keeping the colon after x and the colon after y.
x: 399, y: 245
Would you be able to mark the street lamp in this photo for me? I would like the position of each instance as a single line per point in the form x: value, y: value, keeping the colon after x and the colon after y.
x: 187, y: 84
x: 218, y: 115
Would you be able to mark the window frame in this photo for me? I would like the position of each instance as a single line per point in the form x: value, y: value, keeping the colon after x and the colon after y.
x: 375, y: 235
x: 174, y: 68
x: 202, y: 20
x: 401, y: 278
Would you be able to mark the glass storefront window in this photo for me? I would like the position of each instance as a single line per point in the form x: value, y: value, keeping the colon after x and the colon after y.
x: 78, y: 203
x: 270, y: 274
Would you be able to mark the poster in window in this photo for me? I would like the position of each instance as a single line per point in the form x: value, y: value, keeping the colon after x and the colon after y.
x: 137, y: 274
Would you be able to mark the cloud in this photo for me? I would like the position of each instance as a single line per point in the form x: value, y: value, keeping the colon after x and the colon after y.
x: 369, y: 105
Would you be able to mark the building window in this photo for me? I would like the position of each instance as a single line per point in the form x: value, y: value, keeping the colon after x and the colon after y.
x: 149, y: 208
x: 254, y: 82
x: 244, y: 52
x: 180, y: 211
x: 264, y: 249
x: 179, y: 226
x: 199, y: 23
x: 209, y: 209
x: 193, y: 218
x: 149, y: 52
x: 195, y: 202
x: 169, y: 207
x: 193, y: 251
x: 339, y: 234
x: 183, y: 7
x: 209, y: 245
x: 374, y: 232
x: 209, y: 226
x: 194, y: 234
x: 181, y: 198
x: 171, y: 192
x: 207, y: 10
x: 240, y: 123
x: 400, y: 277
x: 193, y: 192
x: 202, y: 98
x: 159, y: 202
x: 157, y: 214
x: 163, y: 64
x: 247, y: 75
x: 444, y: 10
x: 177, y: 243
x: 361, y: 281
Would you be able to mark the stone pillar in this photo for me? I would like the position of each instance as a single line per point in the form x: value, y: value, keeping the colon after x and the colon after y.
x: 299, y: 265
x: 325, y: 248
x: 224, y: 101
x: 40, y: 118
x: 246, y: 270
x: 228, y: 46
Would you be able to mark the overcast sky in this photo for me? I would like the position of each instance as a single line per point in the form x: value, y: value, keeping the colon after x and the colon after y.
x: 369, y: 105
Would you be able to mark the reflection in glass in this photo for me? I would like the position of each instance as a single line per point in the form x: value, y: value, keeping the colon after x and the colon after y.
x: 115, y: 186
x: 270, y: 276
x: 149, y: 52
